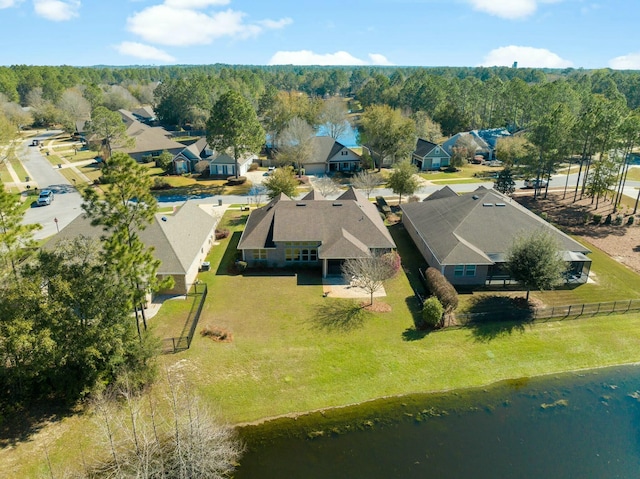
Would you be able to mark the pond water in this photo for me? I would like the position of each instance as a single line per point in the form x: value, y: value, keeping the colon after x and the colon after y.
x: 349, y: 137
x: 584, y: 425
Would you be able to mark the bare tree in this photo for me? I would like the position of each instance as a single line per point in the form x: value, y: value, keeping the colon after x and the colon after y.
x: 334, y: 116
x: 296, y: 144
x: 146, y: 441
x: 326, y: 186
x: 370, y: 272
x: 367, y: 181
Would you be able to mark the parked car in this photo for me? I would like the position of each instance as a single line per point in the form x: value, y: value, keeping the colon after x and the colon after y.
x: 45, y: 198
x: 537, y: 184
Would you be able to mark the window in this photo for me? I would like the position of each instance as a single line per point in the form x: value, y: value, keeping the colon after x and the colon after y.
x: 259, y: 254
x: 344, y: 152
x: 301, y: 251
x: 458, y: 270
x: 470, y: 270
x: 464, y: 270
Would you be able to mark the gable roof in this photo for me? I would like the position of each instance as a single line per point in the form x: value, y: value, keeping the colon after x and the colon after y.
x: 445, y: 192
x: 424, y: 147
x: 325, y: 148
x: 225, y: 159
x: 176, y: 239
x: 477, y: 228
x: 344, y: 227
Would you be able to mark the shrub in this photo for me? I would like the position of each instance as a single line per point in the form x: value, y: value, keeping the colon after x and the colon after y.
x: 597, y: 219
x: 221, y: 234
x: 232, y: 180
x: 253, y: 166
x: 394, y: 261
x: 413, y: 199
x: 441, y: 288
x: 382, y: 204
x: 432, y: 313
x: 241, y: 266
x: 160, y: 184
x: 618, y: 220
x: 630, y: 221
x: 607, y: 220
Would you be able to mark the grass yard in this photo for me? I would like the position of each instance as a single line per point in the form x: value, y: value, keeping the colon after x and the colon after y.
x: 460, y: 181
x: 469, y: 171
x: 294, y: 350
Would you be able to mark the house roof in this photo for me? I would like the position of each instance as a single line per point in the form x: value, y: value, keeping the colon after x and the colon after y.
x: 145, y: 112
x: 445, y: 192
x: 176, y: 239
x: 477, y: 228
x: 149, y: 139
x: 424, y: 147
x: 346, y: 227
x: 225, y: 159
x: 325, y: 148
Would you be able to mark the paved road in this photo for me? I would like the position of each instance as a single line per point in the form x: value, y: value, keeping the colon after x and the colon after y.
x: 66, y: 205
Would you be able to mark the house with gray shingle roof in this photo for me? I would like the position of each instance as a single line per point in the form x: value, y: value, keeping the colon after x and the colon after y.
x: 331, y: 156
x: 180, y: 241
x: 467, y: 237
x: 148, y: 141
x: 429, y: 156
x: 314, y: 231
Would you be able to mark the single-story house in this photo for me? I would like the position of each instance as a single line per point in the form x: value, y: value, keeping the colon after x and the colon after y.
x: 467, y: 237
x: 148, y: 141
x: 146, y: 115
x: 481, y: 147
x: 181, y: 241
x: 429, y: 156
x: 224, y: 165
x: 314, y: 231
x: 188, y: 160
x: 330, y: 156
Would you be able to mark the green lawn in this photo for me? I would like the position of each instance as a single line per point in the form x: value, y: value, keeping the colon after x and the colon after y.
x: 466, y: 171
x: 294, y: 350
x: 461, y: 181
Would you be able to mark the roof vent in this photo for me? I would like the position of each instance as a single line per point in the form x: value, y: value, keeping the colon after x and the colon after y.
x: 337, y: 204
x: 301, y: 204
x: 500, y: 204
x: 475, y: 197
x: 487, y: 204
x: 164, y: 218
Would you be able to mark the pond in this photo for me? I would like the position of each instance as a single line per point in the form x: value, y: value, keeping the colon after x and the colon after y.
x: 581, y: 425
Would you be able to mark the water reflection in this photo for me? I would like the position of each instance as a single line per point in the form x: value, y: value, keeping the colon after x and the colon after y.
x: 583, y: 425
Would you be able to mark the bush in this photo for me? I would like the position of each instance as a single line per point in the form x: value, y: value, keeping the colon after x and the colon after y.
x: 413, y: 199
x: 253, y: 166
x: 618, y: 220
x: 382, y: 204
x: 597, y: 219
x: 221, y: 234
x: 160, y: 184
x: 241, y: 266
x: 630, y: 221
x: 394, y: 261
x: 607, y: 220
x: 441, y: 288
x: 432, y: 312
x: 233, y: 181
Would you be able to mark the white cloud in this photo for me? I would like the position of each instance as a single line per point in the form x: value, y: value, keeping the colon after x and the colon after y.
x: 194, y: 3
x: 9, y: 3
x: 179, y: 23
x: 307, y: 57
x: 630, y: 61
x: 145, y: 52
x: 57, y: 10
x: 509, y: 9
x: 529, y: 57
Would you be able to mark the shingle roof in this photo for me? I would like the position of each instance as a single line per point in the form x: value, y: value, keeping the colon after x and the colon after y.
x: 176, y: 241
x: 476, y: 228
x: 345, y: 227
x: 445, y: 192
x: 149, y: 139
x: 423, y: 148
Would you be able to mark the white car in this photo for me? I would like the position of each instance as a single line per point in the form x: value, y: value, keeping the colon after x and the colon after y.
x: 45, y: 198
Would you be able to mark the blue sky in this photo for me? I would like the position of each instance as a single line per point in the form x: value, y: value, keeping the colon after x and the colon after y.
x: 535, y: 33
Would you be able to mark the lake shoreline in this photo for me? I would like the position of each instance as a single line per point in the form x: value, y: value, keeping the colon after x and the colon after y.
x: 296, y: 415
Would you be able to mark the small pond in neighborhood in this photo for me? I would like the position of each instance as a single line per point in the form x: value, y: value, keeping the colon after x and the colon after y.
x: 580, y: 425
x: 349, y: 137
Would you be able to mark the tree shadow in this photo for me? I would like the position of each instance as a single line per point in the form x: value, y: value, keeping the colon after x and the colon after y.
x: 493, y: 316
x: 339, y: 315
x: 19, y: 424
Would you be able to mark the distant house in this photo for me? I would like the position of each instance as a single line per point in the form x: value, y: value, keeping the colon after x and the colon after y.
x: 429, y: 156
x: 180, y: 241
x: 193, y: 155
x: 330, y: 156
x: 224, y: 165
x: 314, y: 232
x: 146, y: 115
x: 148, y: 141
x: 482, y: 148
x: 467, y: 237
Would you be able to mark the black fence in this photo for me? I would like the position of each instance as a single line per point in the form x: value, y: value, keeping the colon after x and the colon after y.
x: 574, y: 311
x: 183, y: 342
